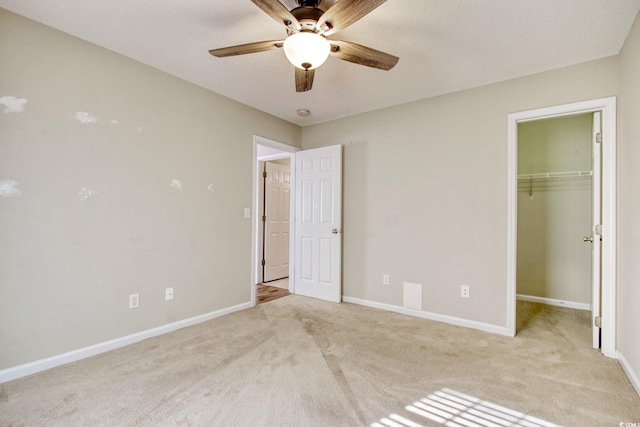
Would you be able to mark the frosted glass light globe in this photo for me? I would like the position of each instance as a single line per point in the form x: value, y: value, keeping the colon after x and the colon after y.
x: 306, y: 50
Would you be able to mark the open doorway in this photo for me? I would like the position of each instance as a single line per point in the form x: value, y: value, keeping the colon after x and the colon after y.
x: 602, y: 298
x: 273, y: 228
x: 556, y: 180
x: 275, y: 213
x: 315, y: 228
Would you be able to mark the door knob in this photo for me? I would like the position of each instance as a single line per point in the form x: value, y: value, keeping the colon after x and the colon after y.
x: 335, y: 231
x: 587, y: 239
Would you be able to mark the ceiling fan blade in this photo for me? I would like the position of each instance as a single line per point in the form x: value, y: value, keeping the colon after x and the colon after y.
x: 344, y: 13
x: 304, y: 79
x: 243, y: 49
x: 279, y: 12
x: 362, y: 55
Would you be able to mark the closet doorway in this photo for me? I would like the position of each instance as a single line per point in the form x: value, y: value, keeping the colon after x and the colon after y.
x: 557, y: 175
x: 561, y: 236
x: 555, y: 199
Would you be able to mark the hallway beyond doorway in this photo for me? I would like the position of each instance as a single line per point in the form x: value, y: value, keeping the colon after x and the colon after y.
x: 270, y: 291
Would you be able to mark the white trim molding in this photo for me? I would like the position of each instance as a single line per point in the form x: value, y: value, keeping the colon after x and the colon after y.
x: 457, y: 321
x: 634, y: 379
x: 31, y: 368
x: 609, y: 175
x: 554, y: 302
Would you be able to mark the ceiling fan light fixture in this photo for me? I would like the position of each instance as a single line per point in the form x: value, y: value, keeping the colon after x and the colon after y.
x: 306, y: 49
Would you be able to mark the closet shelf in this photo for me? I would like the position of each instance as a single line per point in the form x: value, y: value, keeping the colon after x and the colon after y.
x: 547, y: 175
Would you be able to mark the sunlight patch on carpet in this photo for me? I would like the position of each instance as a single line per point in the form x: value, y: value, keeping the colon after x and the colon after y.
x: 454, y: 409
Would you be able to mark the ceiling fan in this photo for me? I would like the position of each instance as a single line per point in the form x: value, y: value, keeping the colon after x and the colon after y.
x: 306, y: 45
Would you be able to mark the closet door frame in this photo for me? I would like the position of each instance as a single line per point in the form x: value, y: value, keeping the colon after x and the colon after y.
x: 607, y: 106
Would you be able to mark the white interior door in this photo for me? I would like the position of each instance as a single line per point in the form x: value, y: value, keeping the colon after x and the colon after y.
x: 318, y: 223
x: 596, y: 230
x: 276, y: 224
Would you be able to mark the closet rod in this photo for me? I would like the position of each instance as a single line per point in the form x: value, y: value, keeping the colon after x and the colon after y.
x: 547, y: 175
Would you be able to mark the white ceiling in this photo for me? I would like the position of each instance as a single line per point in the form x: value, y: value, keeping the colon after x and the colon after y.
x: 444, y: 45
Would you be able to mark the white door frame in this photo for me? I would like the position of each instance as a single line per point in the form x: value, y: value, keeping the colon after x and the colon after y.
x: 596, y: 221
x: 286, y: 151
x: 609, y: 174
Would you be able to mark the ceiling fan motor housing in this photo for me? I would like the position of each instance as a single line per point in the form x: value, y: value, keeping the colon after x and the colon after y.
x: 308, y: 17
x: 308, y: 3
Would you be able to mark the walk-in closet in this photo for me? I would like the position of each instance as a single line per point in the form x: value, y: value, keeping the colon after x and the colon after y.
x: 555, y: 204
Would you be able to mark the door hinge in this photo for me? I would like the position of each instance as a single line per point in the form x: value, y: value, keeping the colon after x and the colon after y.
x: 264, y: 174
x: 598, y: 137
x: 263, y: 262
x: 597, y: 322
x: 264, y: 218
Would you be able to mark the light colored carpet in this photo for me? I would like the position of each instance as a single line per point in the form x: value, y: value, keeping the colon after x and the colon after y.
x: 302, y: 362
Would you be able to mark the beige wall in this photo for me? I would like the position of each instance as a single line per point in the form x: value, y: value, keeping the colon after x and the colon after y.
x: 629, y: 202
x: 425, y: 189
x: 554, y: 214
x: 67, y: 264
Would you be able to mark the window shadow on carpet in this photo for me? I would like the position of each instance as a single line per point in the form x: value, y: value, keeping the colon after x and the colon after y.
x: 455, y: 409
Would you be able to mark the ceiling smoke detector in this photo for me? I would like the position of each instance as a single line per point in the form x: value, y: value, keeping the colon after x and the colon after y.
x: 303, y: 112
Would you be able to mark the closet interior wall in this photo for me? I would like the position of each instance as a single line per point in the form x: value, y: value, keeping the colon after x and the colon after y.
x: 554, y: 213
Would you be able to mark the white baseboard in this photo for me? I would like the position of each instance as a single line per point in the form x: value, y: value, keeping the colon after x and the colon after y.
x: 486, y: 327
x: 26, y: 369
x: 631, y: 374
x: 556, y: 302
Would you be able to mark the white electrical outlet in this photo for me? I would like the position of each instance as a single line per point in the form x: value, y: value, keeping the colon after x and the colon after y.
x: 385, y: 279
x: 464, y: 291
x: 168, y: 294
x: 134, y: 300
